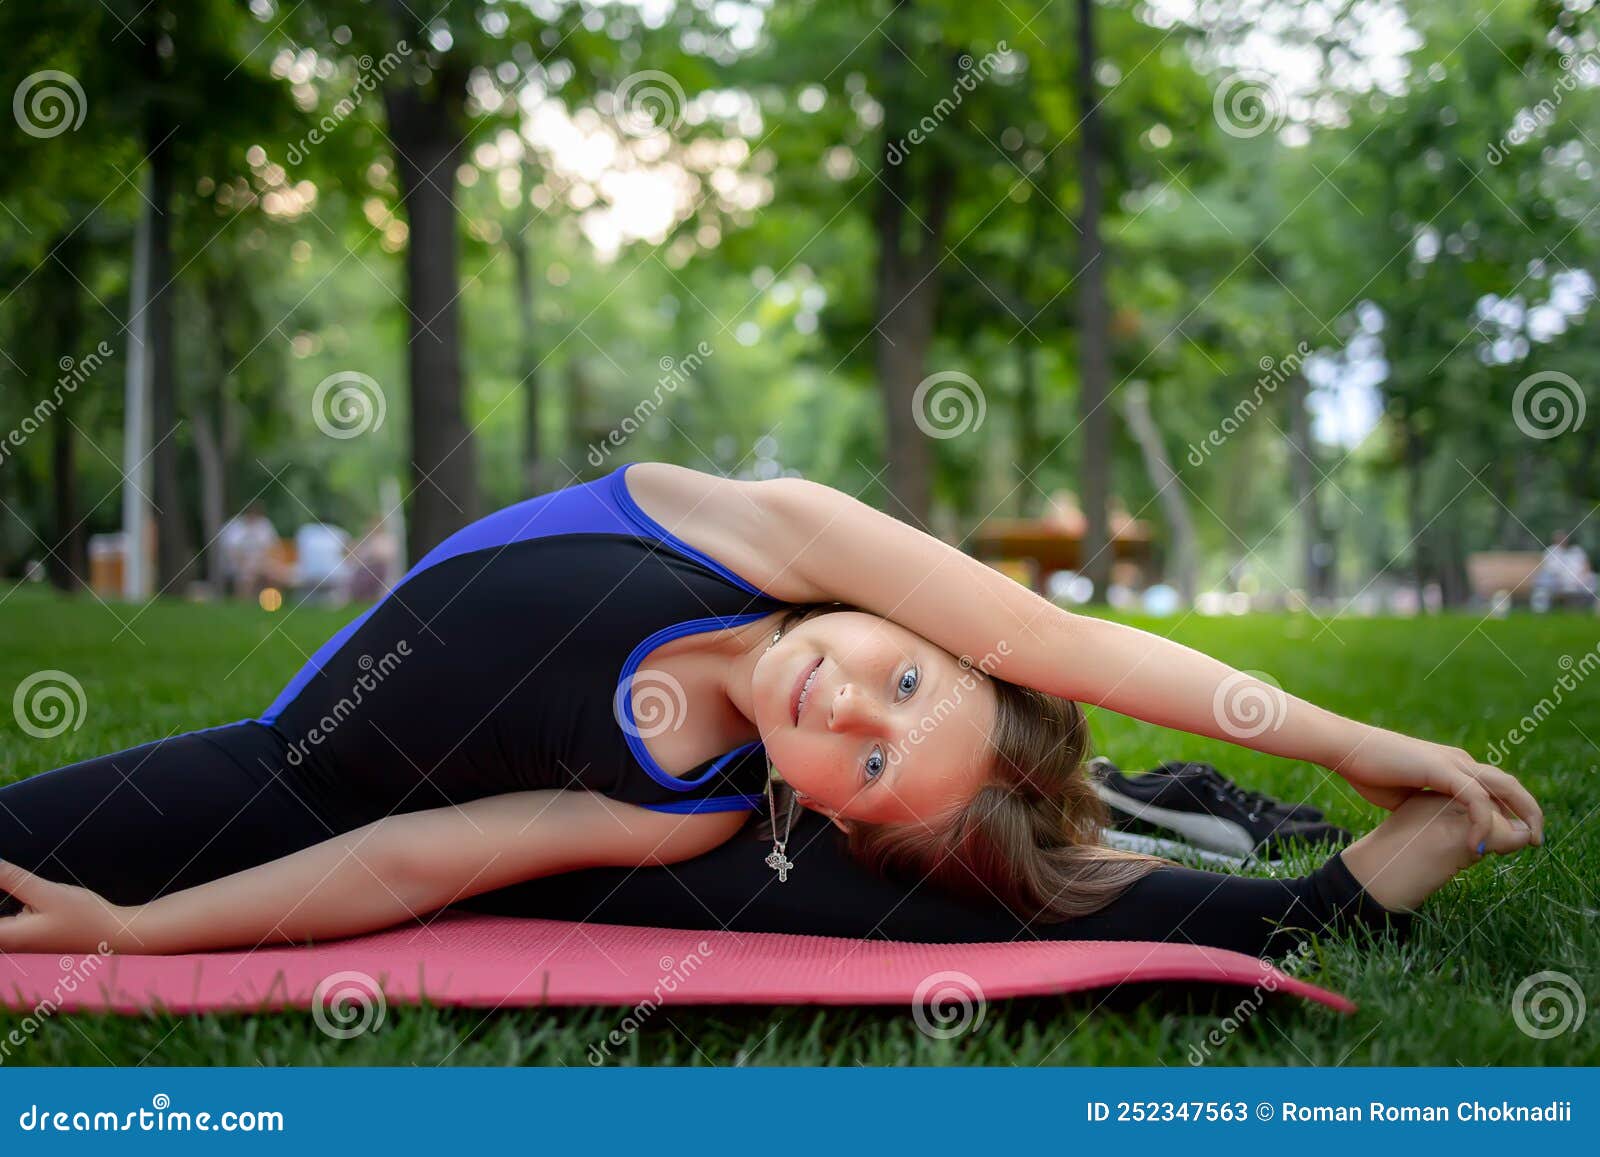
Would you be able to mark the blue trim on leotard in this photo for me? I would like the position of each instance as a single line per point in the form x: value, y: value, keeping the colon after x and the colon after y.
x: 314, y: 665
x: 714, y: 803
x: 624, y: 700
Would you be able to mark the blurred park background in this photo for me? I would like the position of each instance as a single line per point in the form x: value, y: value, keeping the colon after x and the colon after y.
x: 1174, y: 303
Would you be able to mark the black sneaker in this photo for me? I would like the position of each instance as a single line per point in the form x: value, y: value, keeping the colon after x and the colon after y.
x: 1253, y: 800
x: 1220, y: 817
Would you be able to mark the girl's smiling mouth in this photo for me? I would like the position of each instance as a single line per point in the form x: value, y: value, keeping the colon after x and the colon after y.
x: 802, y: 688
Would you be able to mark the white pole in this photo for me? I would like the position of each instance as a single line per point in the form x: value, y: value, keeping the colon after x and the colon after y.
x: 136, y: 578
x: 394, y: 524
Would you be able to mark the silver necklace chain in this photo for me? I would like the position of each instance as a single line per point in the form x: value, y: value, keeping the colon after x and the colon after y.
x: 778, y: 859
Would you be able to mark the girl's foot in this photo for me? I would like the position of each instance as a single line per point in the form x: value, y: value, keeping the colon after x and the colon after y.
x: 1422, y: 843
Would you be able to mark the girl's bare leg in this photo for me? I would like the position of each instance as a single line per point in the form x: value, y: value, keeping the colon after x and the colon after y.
x: 1421, y: 844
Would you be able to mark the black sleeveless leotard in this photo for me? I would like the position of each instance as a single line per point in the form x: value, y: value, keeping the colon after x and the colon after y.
x: 507, y: 659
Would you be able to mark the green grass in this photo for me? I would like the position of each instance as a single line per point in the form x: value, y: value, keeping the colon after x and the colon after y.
x: 1444, y: 998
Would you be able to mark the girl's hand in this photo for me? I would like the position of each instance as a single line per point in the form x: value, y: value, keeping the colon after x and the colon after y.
x: 1386, y: 768
x: 58, y: 917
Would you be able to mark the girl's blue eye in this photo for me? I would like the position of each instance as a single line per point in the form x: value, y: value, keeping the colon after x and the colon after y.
x: 874, y: 763
x: 908, y: 681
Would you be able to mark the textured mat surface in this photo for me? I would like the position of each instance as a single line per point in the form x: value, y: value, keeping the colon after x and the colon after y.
x: 492, y: 961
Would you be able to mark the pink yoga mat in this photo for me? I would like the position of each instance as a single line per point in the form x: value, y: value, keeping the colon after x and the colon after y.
x: 500, y: 961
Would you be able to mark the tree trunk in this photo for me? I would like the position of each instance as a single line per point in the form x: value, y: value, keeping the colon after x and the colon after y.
x: 578, y: 418
x: 1314, y: 569
x: 213, y: 499
x: 1030, y: 440
x: 1453, y: 587
x: 174, y: 543
x: 1185, y: 552
x: 427, y: 140
x: 1094, y: 338
x: 1507, y: 481
x: 1518, y: 533
x: 906, y: 283
x: 216, y: 433
x: 1415, y: 456
x: 527, y: 341
x: 1582, y: 475
x: 905, y: 330
x: 137, y: 517
x: 68, y: 561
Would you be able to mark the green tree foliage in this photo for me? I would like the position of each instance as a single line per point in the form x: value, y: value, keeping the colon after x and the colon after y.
x: 841, y: 203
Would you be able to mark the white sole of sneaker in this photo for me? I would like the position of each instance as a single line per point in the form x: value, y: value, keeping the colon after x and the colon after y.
x: 1213, y: 833
x: 1183, y: 853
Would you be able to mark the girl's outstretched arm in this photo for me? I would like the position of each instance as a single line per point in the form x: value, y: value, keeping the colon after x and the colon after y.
x: 383, y: 873
x: 803, y: 541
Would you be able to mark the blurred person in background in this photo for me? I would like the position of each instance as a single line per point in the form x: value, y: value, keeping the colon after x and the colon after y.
x: 375, y: 560
x: 247, y: 541
x: 324, y: 567
x: 1564, y: 574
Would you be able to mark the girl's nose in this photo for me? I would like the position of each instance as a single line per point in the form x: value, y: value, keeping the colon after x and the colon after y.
x: 852, y: 710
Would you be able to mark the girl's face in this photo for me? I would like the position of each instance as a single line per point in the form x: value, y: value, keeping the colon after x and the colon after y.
x: 869, y: 721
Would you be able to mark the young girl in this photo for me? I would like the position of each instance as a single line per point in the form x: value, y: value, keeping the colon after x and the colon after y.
x: 615, y: 675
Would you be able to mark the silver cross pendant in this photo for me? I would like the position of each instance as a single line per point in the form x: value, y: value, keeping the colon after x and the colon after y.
x: 779, y: 863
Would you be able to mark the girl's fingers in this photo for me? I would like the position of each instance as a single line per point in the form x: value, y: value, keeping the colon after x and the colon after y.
x: 22, y: 884
x: 1509, y: 836
x: 1507, y: 788
x: 1474, y: 797
x: 19, y: 933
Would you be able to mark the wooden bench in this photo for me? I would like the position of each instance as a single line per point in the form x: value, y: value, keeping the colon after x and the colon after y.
x: 108, y: 558
x: 1492, y: 572
x: 1029, y: 549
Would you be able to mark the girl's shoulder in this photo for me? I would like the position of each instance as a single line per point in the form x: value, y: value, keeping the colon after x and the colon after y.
x: 734, y: 521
